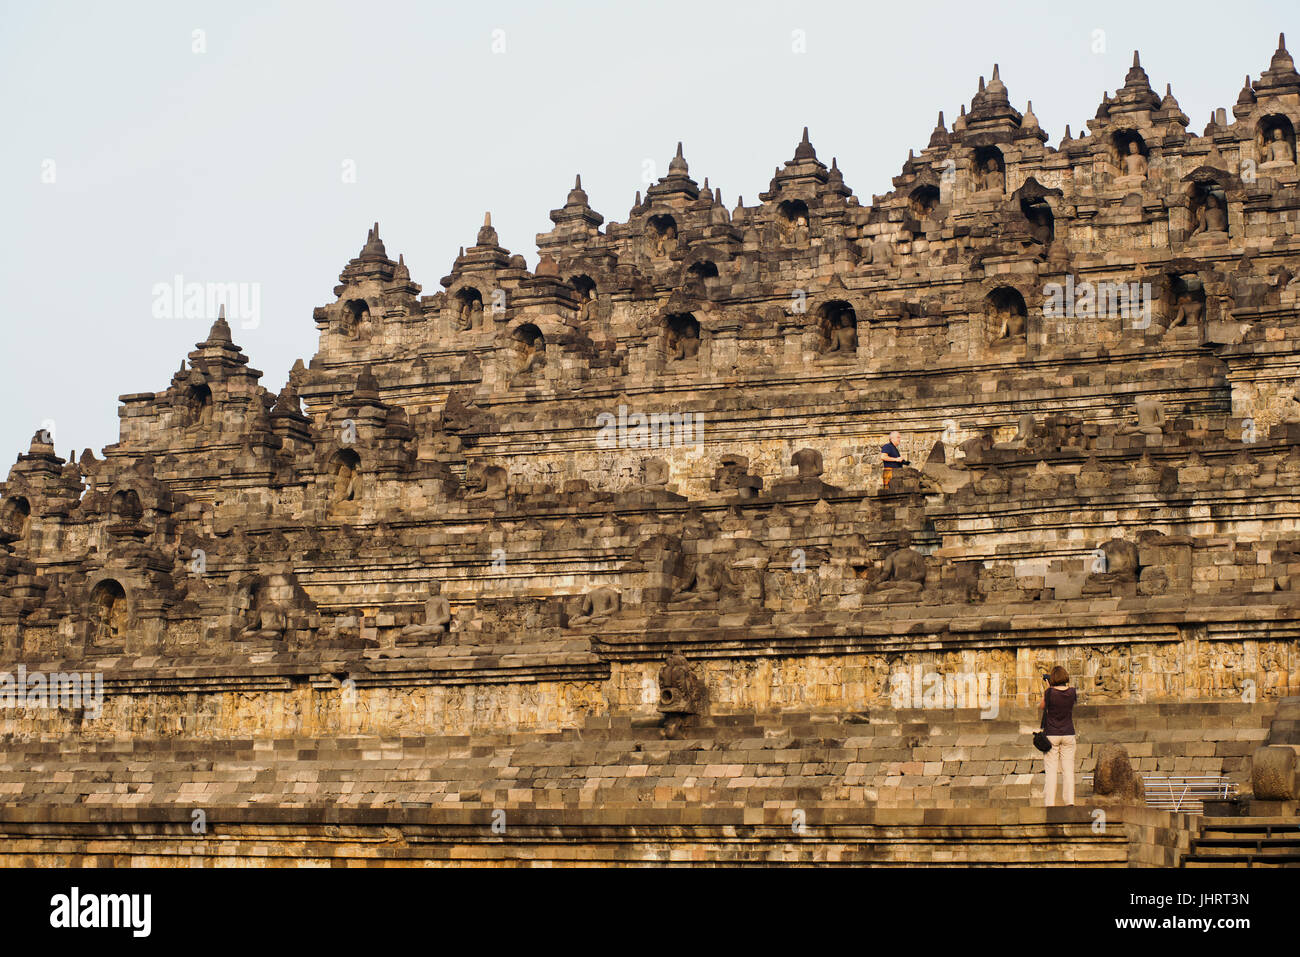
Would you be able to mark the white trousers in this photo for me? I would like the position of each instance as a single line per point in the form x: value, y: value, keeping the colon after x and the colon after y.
x: 1060, y: 758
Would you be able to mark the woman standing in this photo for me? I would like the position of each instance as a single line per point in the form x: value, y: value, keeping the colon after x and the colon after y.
x: 1059, y: 700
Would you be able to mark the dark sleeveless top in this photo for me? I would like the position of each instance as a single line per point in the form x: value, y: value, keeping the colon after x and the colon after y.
x: 1060, y: 708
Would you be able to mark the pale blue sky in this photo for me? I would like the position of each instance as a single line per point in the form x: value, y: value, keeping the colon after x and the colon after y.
x: 225, y: 166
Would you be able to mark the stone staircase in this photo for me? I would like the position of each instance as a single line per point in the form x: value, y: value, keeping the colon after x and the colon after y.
x: 1245, y: 842
x: 893, y: 759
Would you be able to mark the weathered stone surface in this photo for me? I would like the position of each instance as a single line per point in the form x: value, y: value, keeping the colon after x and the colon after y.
x: 1273, y: 773
x: 498, y: 508
x: 1114, y: 777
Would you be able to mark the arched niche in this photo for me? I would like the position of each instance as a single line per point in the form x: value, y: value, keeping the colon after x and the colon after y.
x: 1005, y: 316
x: 108, y: 613
x: 701, y: 277
x: 198, y: 406
x: 468, y: 309
x: 356, y: 318
x: 1184, y: 301
x: 15, y: 518
x: 125, y: 506
x: 1129, y: 153
x: 661, y: 235
x: 683, y: 336
x: 344, y: 476
x: 1275, y: 139
x: 1208, y: 205
x: 792, y: 218
x: 990, y: 169
x: 923, y: 200
x: 837, y: 323
x: 584, y: 286
x: 1042, y: 224
x: 255, y: 613
x: 530, y: 348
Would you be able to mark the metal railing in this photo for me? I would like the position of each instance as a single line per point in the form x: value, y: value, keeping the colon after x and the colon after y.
x: 1183, y: 792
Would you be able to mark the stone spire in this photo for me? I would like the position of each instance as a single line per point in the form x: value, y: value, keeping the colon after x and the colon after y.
x: 804, y: 151
x: 487, y: 236
x: 991, y: 107
x: 371, y: 263
x: 1029, y: 128
x: 1170, y: 111
x: 803, y: 169
x: 367, y: 387
x: 219, y: 334
x: 1245, y: 101
x: 677, y: 165
x: 576, y: 211
x: 288, y: 401
x: 835, y: 180
x: 374, y: 247
x: 1280, y: 78
x: 577, y: 195
x: 939, y: 137
x: 486, y: 253
x: 1247, y: 94
x: 1135, y: 95
x: 677, y: 185
x: 217, y: 355
x: 402, y: 276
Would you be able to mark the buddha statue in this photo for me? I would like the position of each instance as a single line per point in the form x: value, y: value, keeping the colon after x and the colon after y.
x: 1277, y: 149
x: 664, y: 241
x: 109, y: 621
x: 901, y: 575
x: 532, y: 355
x: 843, y: 337
x: 1210, y: 218
x: 597, y: 605
x: 344, y: 487
x: 705, y: 583
x: 267, y: 622
x: 799, y: 227
x: 1135, y: 164
x: 1151, y: 418
x: 1012, y: 324
x: 687, y: 345
x: 992, y: 178
x: 437, y: 618
x: 1188, y: 311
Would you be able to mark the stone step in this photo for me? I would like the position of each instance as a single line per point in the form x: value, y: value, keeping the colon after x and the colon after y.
x: 782, y: 757
x: 1261, y: 847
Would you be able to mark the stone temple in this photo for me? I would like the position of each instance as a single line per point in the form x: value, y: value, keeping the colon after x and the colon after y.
x: 597, y: 563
